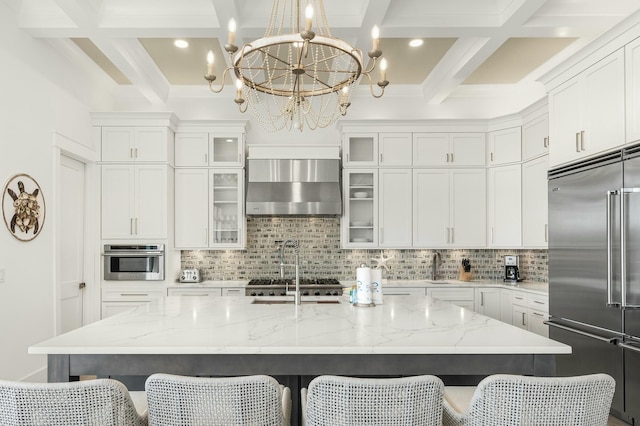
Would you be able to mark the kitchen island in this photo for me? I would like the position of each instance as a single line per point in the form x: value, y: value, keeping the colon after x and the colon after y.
x: 236, y: 336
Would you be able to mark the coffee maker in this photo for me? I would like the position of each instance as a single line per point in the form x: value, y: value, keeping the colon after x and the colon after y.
x: 511, y: 265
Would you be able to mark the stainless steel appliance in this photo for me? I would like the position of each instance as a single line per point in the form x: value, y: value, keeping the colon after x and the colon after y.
x: 190, y: 275
x: 131, y: 262
x: 512, y: 268
x: 594, y: 271
x: 293, y: 187
x: 308, y: 287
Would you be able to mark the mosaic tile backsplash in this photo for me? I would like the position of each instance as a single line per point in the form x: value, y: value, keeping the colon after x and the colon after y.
x: 321, y: 255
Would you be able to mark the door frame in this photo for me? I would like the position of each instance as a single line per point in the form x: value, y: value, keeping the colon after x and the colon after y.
x: 65, y: 146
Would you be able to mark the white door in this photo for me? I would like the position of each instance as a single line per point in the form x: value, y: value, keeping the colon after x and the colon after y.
x: 72, y: 181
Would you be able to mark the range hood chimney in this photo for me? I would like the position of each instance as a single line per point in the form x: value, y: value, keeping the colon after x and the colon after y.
x: 289, y: 186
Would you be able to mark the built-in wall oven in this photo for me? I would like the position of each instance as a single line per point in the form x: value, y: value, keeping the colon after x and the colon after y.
x: 127, y: 262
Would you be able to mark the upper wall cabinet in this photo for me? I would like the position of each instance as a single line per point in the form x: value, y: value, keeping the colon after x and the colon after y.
x: 587, y: 112
x: 504, y: 206
x: 504, y: 146
x: 535, y: 138
x: 360, y: 149
x: 448, y: 149
x: 535, y: 229
x: 632, y: 60
x: 208, y: 149
x: 376, y: 149
x: 136, y: 144
x: 394, y: 149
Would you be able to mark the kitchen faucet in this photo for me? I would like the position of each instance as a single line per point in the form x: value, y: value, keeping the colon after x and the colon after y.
x: 296, y: 247
x: 436, y: 260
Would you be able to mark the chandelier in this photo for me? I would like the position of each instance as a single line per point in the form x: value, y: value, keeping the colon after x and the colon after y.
x: 298, y: 75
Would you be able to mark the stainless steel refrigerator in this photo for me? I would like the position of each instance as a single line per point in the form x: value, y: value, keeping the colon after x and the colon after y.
x: 594, y: 271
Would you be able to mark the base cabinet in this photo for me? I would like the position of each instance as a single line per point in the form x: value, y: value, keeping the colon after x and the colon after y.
x: 463, y: 297
x: 117, y: 298
x: 487, y: 302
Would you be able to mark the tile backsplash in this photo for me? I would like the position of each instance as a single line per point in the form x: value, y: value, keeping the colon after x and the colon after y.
x: 322, y: 256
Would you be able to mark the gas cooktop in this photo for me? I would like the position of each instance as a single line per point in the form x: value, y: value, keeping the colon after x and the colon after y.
x: 289, y: 281
x: 308, y: 286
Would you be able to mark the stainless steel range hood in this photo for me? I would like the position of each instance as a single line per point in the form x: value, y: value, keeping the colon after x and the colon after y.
x: 279, y: 187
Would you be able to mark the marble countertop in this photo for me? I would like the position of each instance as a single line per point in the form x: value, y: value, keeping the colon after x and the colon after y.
x: 530, y: 286
x: 234, y: 325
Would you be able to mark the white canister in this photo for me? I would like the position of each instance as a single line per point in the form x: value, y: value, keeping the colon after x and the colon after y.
x: 376, y: 286
x: 363, y: 280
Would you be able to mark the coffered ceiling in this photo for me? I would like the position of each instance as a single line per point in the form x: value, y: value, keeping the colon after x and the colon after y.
x: 468, y: 44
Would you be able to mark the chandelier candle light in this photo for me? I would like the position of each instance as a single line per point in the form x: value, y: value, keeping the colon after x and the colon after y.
x: 295, y: 78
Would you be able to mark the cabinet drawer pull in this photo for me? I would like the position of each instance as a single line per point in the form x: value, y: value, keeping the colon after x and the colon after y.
x: 539, y: 302
x: 524, y: 323
x: 546, y: 142
x: 538, y: 314
x: 582, y: 140
x: 578, y: 142
x: 134, y: 294
x: 193, y: 295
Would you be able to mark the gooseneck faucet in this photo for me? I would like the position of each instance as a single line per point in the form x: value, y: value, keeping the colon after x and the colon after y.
x: 436, y: 260
x: 296, y: 247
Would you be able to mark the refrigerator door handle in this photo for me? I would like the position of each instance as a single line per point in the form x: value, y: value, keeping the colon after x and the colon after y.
x: 611, y: 340
x: 630, y: 347
x: 623, y: 247
x: 610, y: 301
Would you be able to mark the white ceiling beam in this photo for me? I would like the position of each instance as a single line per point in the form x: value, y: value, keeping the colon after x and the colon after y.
x: 82, y: 13
x: 466, y: 55
x: 134, y: 62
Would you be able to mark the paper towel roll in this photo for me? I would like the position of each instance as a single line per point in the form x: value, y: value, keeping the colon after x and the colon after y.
x: 363, y: 279
x: 376, y: 286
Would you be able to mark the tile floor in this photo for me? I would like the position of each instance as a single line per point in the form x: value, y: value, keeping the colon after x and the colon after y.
x: 614, y: 421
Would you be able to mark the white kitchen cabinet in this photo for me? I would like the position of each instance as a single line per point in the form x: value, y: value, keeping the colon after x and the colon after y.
x: 449, y: 149
x: 530, y: 311
x: 535, y: 137
x: 504, y: 146
x: 506, y: 305
x: 360, y: 149
x: 404, y: 291
x: 395, y: 207
x: 209, y: 211
x: 535, y: 203
x: 134, y: 201
x: 117, y: 298
x: 395, y: 149
x: 488, y: 302
x: 233, y: 291
x: 191, y: 208
x: 226, y: 208
x: 461, y: 296
x: 504, y: 206
x: 194, y: 292
x: 587, y: 112
x: 136, y: 144
x: 632, y: 81
x: 468, y: 208
x: 209, y: 149
x: 360, y: 220
x: 449, y: 207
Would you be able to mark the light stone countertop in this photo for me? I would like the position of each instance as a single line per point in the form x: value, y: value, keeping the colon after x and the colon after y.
x: 233, y: 325
x: 529, y: 286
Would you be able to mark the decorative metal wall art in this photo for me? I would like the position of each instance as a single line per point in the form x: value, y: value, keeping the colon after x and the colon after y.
x: 23, y: 207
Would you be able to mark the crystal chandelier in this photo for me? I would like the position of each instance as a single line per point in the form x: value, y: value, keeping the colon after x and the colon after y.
x: 298, y: 75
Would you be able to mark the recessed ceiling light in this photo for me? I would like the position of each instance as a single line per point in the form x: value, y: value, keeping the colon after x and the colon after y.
x: 182, y: 44
x: 416, y: 42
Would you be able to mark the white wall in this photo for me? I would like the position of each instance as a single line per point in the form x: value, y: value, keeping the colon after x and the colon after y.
x: 40, y: 93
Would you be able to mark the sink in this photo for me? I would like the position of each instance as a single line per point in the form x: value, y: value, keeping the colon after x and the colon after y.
x: 278, y: 301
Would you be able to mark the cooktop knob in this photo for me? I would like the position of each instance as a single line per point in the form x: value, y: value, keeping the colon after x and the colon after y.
x: 260, y: 293
x: 305, y: 293
x: 316, y: 293
x: 283, y: 293
x: 272, y: 293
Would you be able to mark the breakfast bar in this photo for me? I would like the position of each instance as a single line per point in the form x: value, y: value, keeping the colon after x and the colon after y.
x: 226, y: 336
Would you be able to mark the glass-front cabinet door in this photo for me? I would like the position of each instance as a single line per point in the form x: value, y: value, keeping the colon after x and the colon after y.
x: 360, y: 149
x: 226, y: 150
x: 226, y: 209
x: 361, y: 208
